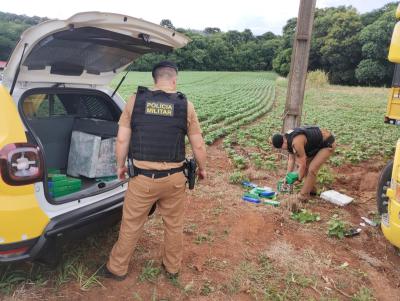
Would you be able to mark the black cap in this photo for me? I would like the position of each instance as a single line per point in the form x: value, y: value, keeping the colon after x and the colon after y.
x: 277, y: 140
x: 164, y: 64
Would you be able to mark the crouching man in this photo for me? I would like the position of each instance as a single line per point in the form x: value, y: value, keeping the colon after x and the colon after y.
x: 309, y: 147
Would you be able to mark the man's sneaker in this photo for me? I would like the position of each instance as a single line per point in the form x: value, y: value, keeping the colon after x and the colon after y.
x: 171, y: 276
x: 105, y: 272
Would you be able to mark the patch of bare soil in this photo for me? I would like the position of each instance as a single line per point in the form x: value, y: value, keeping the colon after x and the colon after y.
x: 235, y: 250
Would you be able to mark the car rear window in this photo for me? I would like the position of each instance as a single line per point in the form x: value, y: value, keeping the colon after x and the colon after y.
x: 69, y: 104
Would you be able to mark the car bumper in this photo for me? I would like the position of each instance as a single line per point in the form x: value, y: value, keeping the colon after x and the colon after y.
x: 73, y: 224
x: 391, y: 223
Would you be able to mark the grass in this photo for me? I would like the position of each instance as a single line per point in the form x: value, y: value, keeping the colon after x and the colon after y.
x: 364, y: 294
x: 317, y: 79
x: 149, y: 272
x: 207, y: 288
x: 75, y: 267
x: 237, y: 177
x: 265, y: 281
x: 204, y: 237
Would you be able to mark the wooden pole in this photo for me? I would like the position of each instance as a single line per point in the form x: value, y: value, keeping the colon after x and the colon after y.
x: 299, y: 65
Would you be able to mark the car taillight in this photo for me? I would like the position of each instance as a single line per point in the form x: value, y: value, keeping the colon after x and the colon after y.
x: 21, y: 164
x: 13, y: 252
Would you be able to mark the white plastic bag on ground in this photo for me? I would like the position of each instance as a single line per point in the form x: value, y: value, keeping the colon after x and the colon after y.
x: 336, y: 197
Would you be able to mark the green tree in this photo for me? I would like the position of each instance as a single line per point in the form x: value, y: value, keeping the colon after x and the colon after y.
x: 341, y: 49
x: 374, y: 68
x: 267, y: 36
x: 281, y: 61
x: 11, y: 27
x: 212, y: 30
x: 167, y: 23
x: 371, y: 72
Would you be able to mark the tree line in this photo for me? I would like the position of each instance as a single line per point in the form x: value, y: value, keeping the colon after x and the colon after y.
x: 350, y: 47
x: 11, y: 27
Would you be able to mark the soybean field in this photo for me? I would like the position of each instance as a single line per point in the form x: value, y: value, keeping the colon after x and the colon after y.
x: 229, y: 103
x: 224, y: 101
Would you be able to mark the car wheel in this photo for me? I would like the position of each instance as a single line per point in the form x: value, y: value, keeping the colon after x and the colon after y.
x: 383, y: 184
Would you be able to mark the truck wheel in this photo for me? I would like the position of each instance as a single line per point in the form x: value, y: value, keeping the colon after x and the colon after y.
x: 383, y: 184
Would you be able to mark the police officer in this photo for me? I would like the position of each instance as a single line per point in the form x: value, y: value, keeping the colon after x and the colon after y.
x: 153, y: 126
x: 309, y: 147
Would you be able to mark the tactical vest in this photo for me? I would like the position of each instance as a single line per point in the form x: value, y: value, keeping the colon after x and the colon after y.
x: 314, y: 139
x: 159, y: 126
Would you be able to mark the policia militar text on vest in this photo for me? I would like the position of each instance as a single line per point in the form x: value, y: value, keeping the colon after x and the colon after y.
x: 159, y: 127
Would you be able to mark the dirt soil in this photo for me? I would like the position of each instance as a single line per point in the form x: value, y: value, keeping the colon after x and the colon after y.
x: 234, y: 250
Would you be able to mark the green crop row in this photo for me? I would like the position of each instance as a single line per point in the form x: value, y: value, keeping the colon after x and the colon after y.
x: 353, y: 114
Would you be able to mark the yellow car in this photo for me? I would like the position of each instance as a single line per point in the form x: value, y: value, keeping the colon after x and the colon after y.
x: 53, y: 96
x: 388, y: 192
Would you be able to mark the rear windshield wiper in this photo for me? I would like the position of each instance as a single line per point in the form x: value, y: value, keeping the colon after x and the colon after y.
x: 122, y: 80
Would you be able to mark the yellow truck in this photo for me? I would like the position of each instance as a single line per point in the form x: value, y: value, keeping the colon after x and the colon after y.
x: 388, y: 192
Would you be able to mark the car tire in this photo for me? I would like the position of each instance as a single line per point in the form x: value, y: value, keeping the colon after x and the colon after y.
x: 383, y: 184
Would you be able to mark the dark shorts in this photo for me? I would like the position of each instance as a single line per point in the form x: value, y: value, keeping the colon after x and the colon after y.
x: 326, y: 144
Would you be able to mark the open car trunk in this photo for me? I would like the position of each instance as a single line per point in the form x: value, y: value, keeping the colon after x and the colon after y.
x: 76, y: 128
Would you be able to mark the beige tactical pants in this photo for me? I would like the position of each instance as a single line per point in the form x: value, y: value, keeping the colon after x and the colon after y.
x: 142, y: 193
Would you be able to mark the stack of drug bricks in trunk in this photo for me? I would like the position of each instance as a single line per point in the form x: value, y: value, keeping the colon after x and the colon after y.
x: 60, y: 185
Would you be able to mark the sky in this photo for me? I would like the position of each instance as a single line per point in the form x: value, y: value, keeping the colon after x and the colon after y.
x: 258, y: 15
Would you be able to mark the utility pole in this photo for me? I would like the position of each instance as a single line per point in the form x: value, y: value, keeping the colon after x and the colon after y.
x: 299, y: 65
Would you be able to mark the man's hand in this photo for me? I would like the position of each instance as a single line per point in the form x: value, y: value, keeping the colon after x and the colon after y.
x: 202, y: 174
x: 121, y: 172
x: 199, y: 151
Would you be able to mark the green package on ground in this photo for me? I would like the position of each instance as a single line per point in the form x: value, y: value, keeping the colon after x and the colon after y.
x: 272, y: 202
x: 258, y: 190
x: 252, y: 195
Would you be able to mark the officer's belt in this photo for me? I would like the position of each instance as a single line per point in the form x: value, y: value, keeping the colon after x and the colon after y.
x: 156, y: 174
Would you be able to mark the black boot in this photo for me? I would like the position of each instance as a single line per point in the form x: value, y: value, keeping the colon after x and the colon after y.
x: 105, y: 272
x: 170, y: 276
